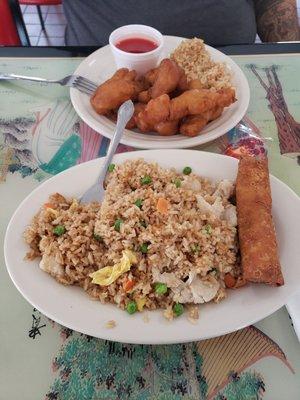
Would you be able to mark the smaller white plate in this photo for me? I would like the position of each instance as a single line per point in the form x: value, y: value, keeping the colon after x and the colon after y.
x: 100, y: 66
x: 72, y: 307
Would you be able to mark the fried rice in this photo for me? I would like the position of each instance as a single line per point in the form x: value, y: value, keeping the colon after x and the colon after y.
x: 192, y: 56
x: 189, y: 246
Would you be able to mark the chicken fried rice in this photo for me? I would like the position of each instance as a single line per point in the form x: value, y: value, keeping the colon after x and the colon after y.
x: 160, y: 239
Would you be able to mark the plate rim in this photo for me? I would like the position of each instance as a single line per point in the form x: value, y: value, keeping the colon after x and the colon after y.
x: 106, y: 333
x: 186, y: 142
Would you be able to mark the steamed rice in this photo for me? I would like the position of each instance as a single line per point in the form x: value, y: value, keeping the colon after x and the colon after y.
x: 190, y: 248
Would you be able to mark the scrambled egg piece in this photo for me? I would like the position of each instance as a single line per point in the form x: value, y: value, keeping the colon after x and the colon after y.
x: 52, y: 212
x: 140, y: 303
x: 107, y: 275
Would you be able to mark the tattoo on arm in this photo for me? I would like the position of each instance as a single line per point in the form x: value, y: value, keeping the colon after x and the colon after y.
x: 277, y: 20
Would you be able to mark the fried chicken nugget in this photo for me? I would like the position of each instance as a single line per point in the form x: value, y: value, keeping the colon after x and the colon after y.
x: 151, y: 76
x: 122, y: 86
x: 156, y: 111
x: 167, y: 128
x: 193, y: 124
x: 144, y: 96
x: 195, y: 84
x: 138, y: 107
x: 195, y: 102
x: 168, y: 76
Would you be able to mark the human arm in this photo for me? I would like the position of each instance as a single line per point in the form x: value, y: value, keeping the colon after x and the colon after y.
x: 277, y: 20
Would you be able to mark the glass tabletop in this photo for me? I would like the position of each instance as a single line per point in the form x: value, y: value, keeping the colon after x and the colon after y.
x: 41, y: 359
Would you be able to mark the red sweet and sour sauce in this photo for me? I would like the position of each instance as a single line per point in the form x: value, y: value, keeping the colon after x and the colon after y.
x: 136, y: 45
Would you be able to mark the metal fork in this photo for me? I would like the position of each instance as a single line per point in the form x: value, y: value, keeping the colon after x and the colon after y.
x: 79, y: 82
x: 97, y: 191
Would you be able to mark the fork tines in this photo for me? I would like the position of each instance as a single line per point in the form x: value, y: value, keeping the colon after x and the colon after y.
x: 84, y: 85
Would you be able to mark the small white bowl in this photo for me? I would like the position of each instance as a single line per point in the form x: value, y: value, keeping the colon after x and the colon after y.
x: 141, y: 62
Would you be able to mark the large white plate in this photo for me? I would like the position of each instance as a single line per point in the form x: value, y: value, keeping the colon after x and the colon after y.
x: 72, y: 307
x: 100, y: 65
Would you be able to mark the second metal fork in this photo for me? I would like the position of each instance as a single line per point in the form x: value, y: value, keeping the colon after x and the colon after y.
x: 79, y: 82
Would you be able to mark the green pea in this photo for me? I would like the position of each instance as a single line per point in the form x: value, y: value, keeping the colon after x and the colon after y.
x: 160, y: 288
x: 111, y: 167
x: 195, y: 248
x: 177, y: 182
x: 208, y: 229
x: 59, y: 230
x: 144, y: 248
x: 97, y: 237
x: 139, y: 203
x: 131, y: 307
x: 187, y: 170
x: 145, y: 180
x: 178, y: 309
x: 117, y: 224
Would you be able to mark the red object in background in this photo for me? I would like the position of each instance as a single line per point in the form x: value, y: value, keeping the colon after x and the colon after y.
x: 38, y: 4
x: 8, y: 31
x: 136, y: 45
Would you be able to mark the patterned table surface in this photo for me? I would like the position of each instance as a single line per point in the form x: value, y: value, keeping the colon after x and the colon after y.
x: 40, y: 359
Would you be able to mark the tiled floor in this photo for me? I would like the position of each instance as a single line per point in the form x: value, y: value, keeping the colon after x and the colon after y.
x: 55, y: 25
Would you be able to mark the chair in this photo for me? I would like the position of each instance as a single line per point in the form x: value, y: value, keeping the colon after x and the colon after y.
x: 38, y: 4
x: 12, y: 28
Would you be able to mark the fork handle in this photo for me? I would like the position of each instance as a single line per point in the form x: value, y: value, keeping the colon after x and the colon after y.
x: 122, y: 120
x: 25, y: 78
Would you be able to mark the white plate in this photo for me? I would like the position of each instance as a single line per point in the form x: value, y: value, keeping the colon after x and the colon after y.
x: 72, y: 307
x: 100, y: 65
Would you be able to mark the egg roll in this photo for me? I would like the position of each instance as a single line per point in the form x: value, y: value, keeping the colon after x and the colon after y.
x: 257, y: 237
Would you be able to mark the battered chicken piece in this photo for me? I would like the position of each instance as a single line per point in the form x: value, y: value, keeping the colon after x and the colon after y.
x: 167, y: 128
x: 165, y: 79
x: 168, y: 76
x: 194, y: 102
x: 195, y: 84
x: 151, y: 76
x: 193, y: 124
x: 138, y: 107
x: 183, y: 82
x: 156, y: 111
x: 226, y: 97
x: 144, y: 96
x: 122, y: 86
x: 131, y: 124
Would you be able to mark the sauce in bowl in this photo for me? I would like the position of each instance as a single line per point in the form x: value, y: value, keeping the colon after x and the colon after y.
x: 136, y: 45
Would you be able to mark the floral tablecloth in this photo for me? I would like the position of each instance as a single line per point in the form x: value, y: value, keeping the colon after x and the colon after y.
x: 40, y: 135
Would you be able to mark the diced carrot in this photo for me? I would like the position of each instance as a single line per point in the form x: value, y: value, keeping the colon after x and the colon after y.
x: 229, y: 280
x: 49, y: 205
x: 128, y: 285
x: 162, y: 205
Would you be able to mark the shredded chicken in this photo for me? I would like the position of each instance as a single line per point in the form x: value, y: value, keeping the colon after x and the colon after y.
x: 194, y: 290
x: 230, y: 215
x: 49, y: 264
x: 216, y: 209
x: 224, y: 189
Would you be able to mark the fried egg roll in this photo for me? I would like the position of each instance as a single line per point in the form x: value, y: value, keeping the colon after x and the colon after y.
x: 258, y: 245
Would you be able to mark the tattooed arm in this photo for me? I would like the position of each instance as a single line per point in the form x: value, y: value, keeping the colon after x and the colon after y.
x: 277, y: 20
